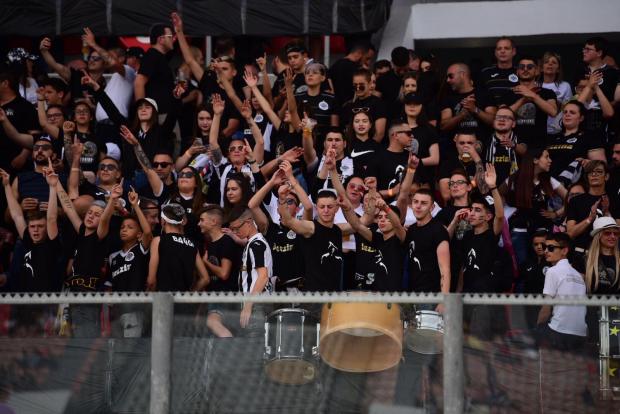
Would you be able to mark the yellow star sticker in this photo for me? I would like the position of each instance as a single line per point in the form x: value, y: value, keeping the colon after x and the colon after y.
x: 612, y: 372
x: 614, y: 330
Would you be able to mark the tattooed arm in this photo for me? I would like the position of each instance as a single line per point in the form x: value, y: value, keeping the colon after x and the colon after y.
x: 68, y: 207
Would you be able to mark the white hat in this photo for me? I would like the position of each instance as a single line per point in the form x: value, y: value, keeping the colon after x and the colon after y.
x: 603, y: 223
x: 113, y: 151
x: 151, y: 101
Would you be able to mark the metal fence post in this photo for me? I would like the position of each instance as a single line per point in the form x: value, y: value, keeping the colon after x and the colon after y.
x: 161, y: 352
x: 453, y: 372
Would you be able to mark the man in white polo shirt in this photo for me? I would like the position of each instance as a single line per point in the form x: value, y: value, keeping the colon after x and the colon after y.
x: 566, y: 330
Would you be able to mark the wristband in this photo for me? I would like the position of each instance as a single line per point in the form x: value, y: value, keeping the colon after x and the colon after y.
x: 75, y: 169
x: 251, y: 162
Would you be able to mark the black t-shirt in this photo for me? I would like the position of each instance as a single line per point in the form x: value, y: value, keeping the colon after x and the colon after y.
x: 363, y: 153
x: 208, y: 85
x: 578, y: 210
x: 322, y: 259
x: 450, y: 162
x: 177, y: 260
x: 531, y: 121
x: 88, y: 262
x: 611, y: 78
x: 374, y: 106
x: 80, y: 91
x: 607, y: 283
x: 389, y: 168
x: 320, y: 107
x: 530, y: 218
x: 286, y: 253
x: 498, y: 82
x: 341, y: 74
x: 470, y: 124
x: 89, y: 159
x: 282, y: 140
x: 154, y: 65
x: 564, y: 149
x: 479, y: 257
x: 457, y: 242
x: 191, y: 227
x: 299, y: 84
x: 129, y: 269
x: 613, y: 191
x: 225, y: 248
x: 383, y: 264
x: 23, y: 116
x: 422, y: 243
x: 426, y: 137
x: 40, y: 265
x: 503, y: 158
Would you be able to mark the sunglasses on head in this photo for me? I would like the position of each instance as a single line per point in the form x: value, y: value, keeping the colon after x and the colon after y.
x: 107, y: 167
x: 358, y: 110
x: 186, y: 174
x: 162, y: 164
x: 528, y: 66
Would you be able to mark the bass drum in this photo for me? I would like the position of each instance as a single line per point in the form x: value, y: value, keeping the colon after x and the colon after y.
x: 361, y: 337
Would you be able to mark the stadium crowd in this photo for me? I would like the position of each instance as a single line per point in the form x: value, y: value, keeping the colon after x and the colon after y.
x: 373, y: 176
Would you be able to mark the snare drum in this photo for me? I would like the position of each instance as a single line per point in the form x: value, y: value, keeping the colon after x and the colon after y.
x: 425, y: 334
x: 361, y: 337
x: 291, y: 346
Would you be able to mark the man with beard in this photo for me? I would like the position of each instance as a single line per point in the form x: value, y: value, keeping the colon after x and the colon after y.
x: 466, y: 108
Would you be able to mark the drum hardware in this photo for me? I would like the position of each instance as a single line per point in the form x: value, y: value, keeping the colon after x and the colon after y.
x: 424, y: 334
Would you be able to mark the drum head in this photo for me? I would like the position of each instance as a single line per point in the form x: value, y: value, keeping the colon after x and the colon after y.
x: 291, y: 371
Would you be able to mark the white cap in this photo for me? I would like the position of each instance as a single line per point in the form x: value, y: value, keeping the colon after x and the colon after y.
x: 603, y: 223
x: 113, y: 151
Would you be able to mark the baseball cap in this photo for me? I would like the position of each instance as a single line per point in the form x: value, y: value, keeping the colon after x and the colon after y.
x: 412, y: 98
x: 134, y: 51
x: 150, y: 101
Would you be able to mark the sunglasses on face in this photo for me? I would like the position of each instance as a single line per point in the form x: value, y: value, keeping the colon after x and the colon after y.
x: 107, y: 167
x: 290, y: 202
x: 163, y: 164
x: 42, y: 147
x: 528, y: 66
x: 95, y: 58
x: 358, y: 188
x: 358, y: 110
x: 551, y: 247
x: 236, y: 148
x: 406, y: 132
x: 186, y: 174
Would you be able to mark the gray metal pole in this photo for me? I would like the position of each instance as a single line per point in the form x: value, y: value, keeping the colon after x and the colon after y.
x: 161, y: 352
x: 326, y: 50
x: 453, y: 372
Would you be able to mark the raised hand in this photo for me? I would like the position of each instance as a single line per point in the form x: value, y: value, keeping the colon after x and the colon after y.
x: 117, y: 190
x: 133, y: 197
x: 250, y: 78
x: 262, y: 63
x: 88, y: 80
x: 490, y: 176
x: 6, y: 178
x: 292, y: 154
x: 68, y: 127
x: 178, y: 91
x: 371, y: 183
x: 40, y: 93
x: 50, y: 175
x: 288, y: 76
x: 128, y: 136
x: 247, y: 150
x: 177, y: 22
x: 77, y: 147
x: 413, y: 161
x: 46, y: 44
x: 218, y: 104
x: 287, y: 169
x: 284, y: 190
x: 89, y: 38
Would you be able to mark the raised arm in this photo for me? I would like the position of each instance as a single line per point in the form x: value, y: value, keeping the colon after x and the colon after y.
x: 352, y: 219
x: 291, y: 102
x: 15, y: 209
x: 399, y: 230
x: 75, y: 174
x: 262, y: 222
x: 62, y: 70
x: 252, y: 81
x: 89, y: 39
x: 147, y: 234
x: 490, y: 178
x: 25, y: 140
x: 262, y: 66
x: 52, y: 204
x: 218, y: 109
x: 402, y: 202
x: 259, y: 142
x: 53, y: 130
x: 304, y: 228
x: 106, y: 216
x: 297, y: 189
x: 310, y: 156
x: 68, y: 207
x: 188, y: 57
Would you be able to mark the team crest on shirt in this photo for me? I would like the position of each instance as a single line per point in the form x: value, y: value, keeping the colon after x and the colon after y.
x: 571, y: 141
x: 129, y: 257
x: 323, y: 105
x: 302, y: 89
x: 258, y: 118
x: 513, y: 78
x: 291, y: 235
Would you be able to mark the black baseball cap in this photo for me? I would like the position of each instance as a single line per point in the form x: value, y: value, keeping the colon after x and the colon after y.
x: 412, y: 98
x: 135, y: 51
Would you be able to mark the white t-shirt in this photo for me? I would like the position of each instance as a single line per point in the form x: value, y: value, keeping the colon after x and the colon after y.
x: 562, y: 280
x: 120, y: 90
x: 348, y: 241
x: 563, y: 94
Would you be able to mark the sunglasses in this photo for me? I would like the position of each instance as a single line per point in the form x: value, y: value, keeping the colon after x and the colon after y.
x: 163, y: 164
x: 551, y: 247
x: 358, y: 110
x: 82, y: 112
x: 359, y: 86
x: 42, y: 147
x: 290, y: 202
x: 186, y: 174
x: 504, y: 118
x: 236, y: 148
x: 456, y: 182
x: 107, y: 167
x: 528, y: 66
x: 596, y: 173
x: 407, y: 132
x: 95, y: 58
x: 359, y: 188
